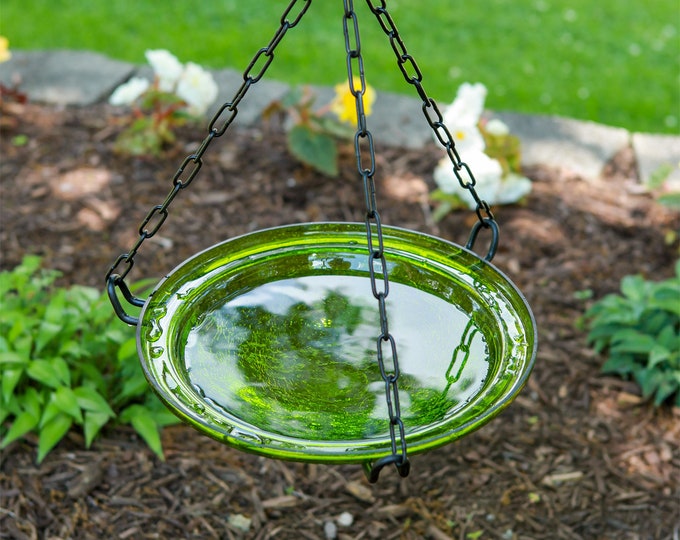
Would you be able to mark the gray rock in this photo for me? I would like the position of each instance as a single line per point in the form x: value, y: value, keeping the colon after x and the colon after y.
x: 657, y: 153
x: 64, y: 77
x: 581, y: 147
x: 258, y: 97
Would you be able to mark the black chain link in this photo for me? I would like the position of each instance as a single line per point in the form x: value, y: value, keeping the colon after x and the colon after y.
x: 412, y: 74
x: 376, y: 256
x: 115, y: 277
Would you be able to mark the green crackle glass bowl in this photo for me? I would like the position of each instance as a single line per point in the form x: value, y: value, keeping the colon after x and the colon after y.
x: 267, y: 342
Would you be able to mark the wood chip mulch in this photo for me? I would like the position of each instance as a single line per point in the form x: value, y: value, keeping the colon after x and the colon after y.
x: 578, y: 455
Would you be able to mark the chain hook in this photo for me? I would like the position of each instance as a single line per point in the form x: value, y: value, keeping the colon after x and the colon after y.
x: 485, y: 223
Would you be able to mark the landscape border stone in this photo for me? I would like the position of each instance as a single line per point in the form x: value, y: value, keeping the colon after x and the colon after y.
x: 82, y: 78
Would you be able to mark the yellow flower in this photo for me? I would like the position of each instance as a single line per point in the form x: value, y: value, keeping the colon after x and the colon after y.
x: 4, y: 49
x: 344, y: 103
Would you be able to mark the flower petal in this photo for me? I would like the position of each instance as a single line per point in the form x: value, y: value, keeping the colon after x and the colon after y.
x: 197, y: 87
x: 166, y: 67
x: 129, y: 91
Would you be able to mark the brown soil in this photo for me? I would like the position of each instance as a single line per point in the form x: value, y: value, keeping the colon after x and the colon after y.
x: 577, y: 456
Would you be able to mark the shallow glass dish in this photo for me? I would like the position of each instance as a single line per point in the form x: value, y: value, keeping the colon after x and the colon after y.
x: 267, y: 342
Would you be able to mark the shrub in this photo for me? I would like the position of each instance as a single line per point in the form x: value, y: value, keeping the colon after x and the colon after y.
x: 640, y: 331
x: 64, y: 363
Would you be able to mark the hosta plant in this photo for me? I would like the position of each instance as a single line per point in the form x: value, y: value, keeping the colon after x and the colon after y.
x: 66, y: 364
x: 639, y: 330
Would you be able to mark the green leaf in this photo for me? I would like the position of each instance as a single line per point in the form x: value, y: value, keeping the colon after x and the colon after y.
x: 92, y: 401
x: 26, y: 420
x: 93, y: 378
x: 11, y: 357
x: 634, y: 288
x: 669, y: 338
x: 83, y: 298
x: 623, y: 364
x: 66, y: 400
x: 17, y: 334
x: 143, y: 422
x: 672, y: 199
x: 314, y: 149
x: 71, y: 349
x: 63, y: 370
x: 24, y: 423
x: 94, y: 421
x: 46, y: 332
x: 128, y: 350
x: 51, y: 411
x: 11, y: 407
x: 160, y: 413
x: 10, y: 379
x: 440, y: 212
x: 331, y: 126
x: 51, y: 433
x: 668, y: 301
x: 659, y: 176
x: 649, y: 380
x: 133, y: 387
x: 53, y: 320
x: 604, y: 331
x: 52, y: 373
x: 665, y: 390
x: 657, y: 355
x: 633, y: 342
x: 23, y: 345
x: 653, y: 321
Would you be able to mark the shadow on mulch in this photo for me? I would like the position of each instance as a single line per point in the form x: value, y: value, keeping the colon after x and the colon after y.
x: 577, y: 456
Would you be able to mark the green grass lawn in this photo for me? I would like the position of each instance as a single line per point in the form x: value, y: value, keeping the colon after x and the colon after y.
x: 613, y: 62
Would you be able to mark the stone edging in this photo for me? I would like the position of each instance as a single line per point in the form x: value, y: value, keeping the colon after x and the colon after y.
x: 81, y: 78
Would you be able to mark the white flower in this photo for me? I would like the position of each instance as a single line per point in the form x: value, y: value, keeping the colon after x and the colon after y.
x: 513, y: 188
x: 166, y: 67
x: 468, y: 106
x: 497, y: 127
x: 445, y: 178
x: 467, y: 138
x: 490, y: 184
x: 197, y: 87
x: 487, y: 172
x: 128, y: 92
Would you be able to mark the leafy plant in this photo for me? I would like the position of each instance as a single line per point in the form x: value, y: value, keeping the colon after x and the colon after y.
x: 640, y: 330
x: 313, y: 133
x: 177, y: 94
x: 64, y: 364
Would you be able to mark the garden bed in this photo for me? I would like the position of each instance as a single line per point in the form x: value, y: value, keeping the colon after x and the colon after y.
x: 578, y: 455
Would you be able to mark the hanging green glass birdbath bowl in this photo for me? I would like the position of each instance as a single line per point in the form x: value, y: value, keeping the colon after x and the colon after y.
x: 266, y: 342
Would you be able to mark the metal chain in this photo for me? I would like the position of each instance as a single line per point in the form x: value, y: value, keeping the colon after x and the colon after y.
x: 115, y: 277
x: 376, y: 256
x: 462, y: 352
x: 414, y: 76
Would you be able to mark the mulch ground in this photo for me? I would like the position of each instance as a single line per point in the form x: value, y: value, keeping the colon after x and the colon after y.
x: 578, y: 455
